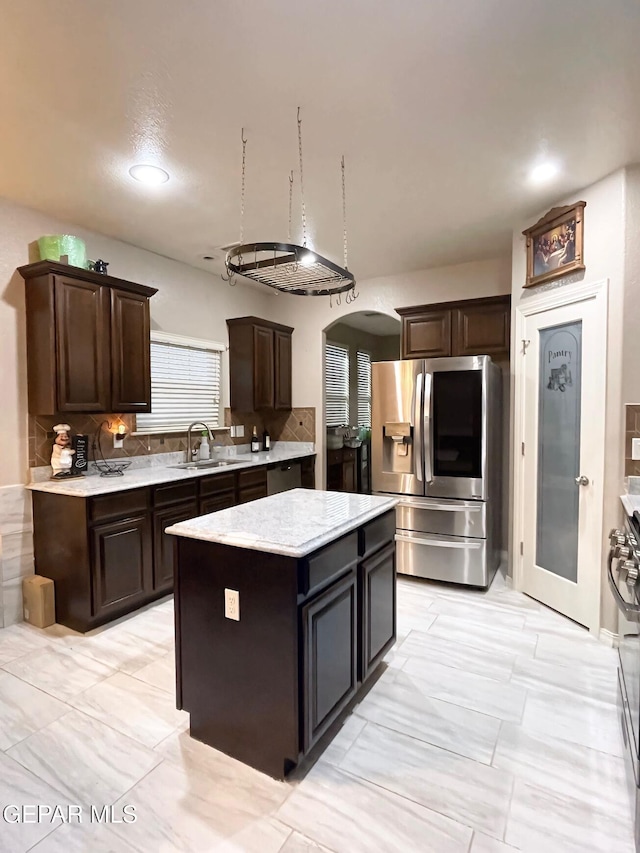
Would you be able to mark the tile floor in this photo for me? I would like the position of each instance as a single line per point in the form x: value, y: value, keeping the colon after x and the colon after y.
x: 493, y: 729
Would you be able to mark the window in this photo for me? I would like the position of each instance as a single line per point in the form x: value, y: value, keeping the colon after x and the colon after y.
x: 185, y: 384
x: 363, y: 364
x: 336, y: 364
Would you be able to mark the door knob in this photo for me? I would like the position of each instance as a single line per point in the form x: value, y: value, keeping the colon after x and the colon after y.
x: 582, y: 480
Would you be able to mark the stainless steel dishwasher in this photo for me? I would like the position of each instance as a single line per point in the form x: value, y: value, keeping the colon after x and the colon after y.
x: 284, y: 476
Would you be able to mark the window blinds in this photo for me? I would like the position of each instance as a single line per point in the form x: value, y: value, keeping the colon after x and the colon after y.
x: 185, y: 384
x: 336, y: 363
x: 363, y: 363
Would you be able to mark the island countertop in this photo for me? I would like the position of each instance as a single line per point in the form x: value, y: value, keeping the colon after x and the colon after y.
x: 292, y: 523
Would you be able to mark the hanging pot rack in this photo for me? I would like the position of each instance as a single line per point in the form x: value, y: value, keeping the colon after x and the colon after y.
x: 288, y: 267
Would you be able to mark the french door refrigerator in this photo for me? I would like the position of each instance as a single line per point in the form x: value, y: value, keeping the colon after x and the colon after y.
x: 436, y: 444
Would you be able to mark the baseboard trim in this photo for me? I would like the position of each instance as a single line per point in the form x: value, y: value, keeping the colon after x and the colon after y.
x: 609, y: 638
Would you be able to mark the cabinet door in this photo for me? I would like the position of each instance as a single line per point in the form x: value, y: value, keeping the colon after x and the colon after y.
x: 82, y: 345
x: 426, y: 335
x: 378, y: 608
x: 252, y: 493
x: 349, y: 476
x: 263, y: 372
x: 163, y: 544
x: 121, y: 565
x: 308, y: 473
x: 214, y: 502
x: 282, y: 347
x: 330, y: 677
x: 130, y: 352
x: 483, y: 329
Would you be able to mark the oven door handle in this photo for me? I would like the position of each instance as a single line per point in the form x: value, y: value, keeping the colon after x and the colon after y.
x: 631, y: 612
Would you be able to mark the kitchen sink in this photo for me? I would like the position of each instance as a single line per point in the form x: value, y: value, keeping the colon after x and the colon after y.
x: 205, y: 463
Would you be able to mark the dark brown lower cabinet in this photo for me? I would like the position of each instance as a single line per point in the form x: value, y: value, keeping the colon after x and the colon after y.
x: 109, y: 554
x: 330, y: 656
x: 267, y: 688
x: 122, y: 565
x: 164, y: 545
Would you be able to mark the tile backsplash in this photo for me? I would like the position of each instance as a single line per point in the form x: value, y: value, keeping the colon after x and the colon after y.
x: 297, y: 425
x: 632, y: 430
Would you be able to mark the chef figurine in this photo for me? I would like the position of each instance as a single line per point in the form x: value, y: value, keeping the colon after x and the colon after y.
x: 62, y: 456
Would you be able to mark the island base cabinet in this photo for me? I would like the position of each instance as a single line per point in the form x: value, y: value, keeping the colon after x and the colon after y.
x: 378, y: 602
x: 238, y: 679
x: 271, y: 686
x: 330, y: 650
x: 122, y: 565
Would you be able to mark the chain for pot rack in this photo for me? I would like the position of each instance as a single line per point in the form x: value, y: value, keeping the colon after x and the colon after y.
x: 287, y: 267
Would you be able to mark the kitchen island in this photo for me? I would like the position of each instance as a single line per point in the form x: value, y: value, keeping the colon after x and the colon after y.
x: 284, y: 609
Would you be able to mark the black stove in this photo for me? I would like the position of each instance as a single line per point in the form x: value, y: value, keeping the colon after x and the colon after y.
x: 623, y: 575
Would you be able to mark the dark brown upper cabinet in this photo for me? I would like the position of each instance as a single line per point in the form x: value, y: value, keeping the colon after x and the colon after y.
x: 259, y: 365
x: 88, y: 341
x: 468, y: 327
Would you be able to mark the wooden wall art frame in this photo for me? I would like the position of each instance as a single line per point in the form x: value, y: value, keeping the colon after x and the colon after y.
x: 538, y: 270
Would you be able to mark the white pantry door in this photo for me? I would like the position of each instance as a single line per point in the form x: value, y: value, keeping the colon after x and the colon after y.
x: 563, y: 358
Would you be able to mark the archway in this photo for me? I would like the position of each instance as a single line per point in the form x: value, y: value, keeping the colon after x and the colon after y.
x: 350, y: 345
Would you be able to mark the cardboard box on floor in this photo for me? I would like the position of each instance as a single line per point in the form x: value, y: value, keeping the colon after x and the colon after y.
x: 38, y: 601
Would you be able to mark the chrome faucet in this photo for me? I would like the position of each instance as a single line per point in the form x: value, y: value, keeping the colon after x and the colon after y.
x: 196, y: 423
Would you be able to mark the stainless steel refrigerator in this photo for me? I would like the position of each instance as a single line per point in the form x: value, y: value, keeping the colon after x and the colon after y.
x: 436, y: 444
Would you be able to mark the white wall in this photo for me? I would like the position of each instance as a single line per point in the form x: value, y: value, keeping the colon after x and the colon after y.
x: 604, y: 257
x: 310, y: 316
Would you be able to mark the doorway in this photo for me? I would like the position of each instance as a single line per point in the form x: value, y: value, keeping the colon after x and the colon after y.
x: 351, y: 345
x: 560, y: 439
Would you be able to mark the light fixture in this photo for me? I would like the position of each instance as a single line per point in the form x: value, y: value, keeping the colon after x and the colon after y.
x: 543, y: 172
x: 148, y: 174
x: 286, y: 266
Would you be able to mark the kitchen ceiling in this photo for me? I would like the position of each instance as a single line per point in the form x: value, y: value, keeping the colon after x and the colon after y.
x: 440, y: 108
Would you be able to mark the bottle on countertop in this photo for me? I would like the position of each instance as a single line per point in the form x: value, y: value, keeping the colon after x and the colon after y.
x: 255, y: 441
x: 204, y: 451
x: 266, y: 440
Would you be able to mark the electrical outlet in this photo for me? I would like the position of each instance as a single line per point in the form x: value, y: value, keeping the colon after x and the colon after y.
x: 240, y: 431
x: 118, y: 441
x: 232, y: 604
x: 635, y: 448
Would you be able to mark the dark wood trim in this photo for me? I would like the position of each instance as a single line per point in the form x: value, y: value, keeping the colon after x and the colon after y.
x: 445, y: 306
x: 40, y: 268
x: 258, y: 321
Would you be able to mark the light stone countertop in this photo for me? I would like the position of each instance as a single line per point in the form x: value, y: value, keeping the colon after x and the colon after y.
x: 631, y: 503
x: 292, y: 523
x: 134, y: 478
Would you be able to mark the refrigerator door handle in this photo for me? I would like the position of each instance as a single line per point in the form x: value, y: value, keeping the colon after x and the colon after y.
x: 427, y: 437
x: 418, y: 440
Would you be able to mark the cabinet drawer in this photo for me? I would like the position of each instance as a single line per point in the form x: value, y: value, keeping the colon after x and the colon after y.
x: 376, y: 533
x: 219, y: 483
x: 215, y: 502
x: 252, y: 477
x: 252, y: 493
x: 320, y: 568
x: 334, y: 457
x: 119, y: 504
x: 349, y: 454
x: 176, y: 492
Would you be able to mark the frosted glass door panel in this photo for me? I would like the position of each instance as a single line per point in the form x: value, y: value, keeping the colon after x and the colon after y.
x: 558, y: 496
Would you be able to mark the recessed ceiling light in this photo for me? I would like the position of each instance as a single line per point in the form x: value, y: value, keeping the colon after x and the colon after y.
x: 543, y: 172
x: 147, y: 174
